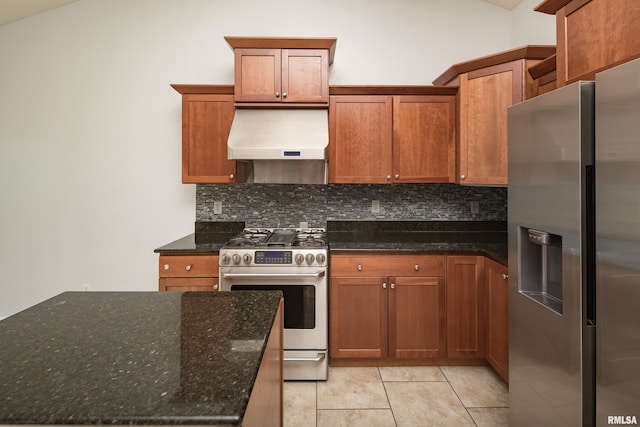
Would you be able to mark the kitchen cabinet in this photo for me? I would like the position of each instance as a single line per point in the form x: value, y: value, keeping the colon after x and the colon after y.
x: 544, y: 76
x: 465, y: 307
x: 497, y: 317
x: 387, y: 306
x: 391, y: 138
x: 196, y: 272
x: 360, y: 139
x: 282, y: 71
x: 593, y: 35
x: 207, y: 113
x: 487, y: 86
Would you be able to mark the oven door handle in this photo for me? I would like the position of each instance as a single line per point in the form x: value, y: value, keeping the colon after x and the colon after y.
x: 318, y: 358
x: 317, y: 275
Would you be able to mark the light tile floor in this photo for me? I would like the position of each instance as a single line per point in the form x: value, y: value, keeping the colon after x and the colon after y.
x: 399, y: 396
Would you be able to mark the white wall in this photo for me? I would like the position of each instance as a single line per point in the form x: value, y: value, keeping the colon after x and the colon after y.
x: 90, y: 129
x: 530, y: 27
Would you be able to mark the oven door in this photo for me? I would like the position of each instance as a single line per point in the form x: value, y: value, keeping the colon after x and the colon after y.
x: 305, y: 299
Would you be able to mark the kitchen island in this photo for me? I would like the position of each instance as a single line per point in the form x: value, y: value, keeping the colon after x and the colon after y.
x: 144, y: 358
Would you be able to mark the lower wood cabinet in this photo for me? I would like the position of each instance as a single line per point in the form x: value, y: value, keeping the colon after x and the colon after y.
x: 188, y: 272
x: 497, y: 317
x: 382, y: 316
x: 465, y: 307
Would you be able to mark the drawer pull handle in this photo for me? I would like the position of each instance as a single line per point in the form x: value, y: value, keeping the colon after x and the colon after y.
x: 188, y: 268
x: 417, y: 267
x: 166, y: 266
x: 393, y: 286
x: 505, y: 276
x: 359, y: 267
x: 384, y: 285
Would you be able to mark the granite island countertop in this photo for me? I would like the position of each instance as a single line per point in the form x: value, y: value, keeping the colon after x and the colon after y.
x: 488, y: 238
x: 134, y: 357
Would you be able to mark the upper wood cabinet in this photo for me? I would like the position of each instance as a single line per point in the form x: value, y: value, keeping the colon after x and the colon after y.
x: 282, y: 71
x: 487, y: 87
x: 360, y: 139
x: 544, y: 76
x: 391, y: 138
x: 207, y: 113
x: 424, y: 138
x: 593, y: 35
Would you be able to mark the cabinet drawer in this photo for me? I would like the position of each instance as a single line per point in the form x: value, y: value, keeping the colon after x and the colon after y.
x: 184, y: 284
x: 387, y: 265
x: 188, y: 266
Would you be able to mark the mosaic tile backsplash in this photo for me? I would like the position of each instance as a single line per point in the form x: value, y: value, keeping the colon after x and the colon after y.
x: 286, y: 205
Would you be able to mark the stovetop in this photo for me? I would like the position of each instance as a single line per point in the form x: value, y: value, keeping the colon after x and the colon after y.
x: 274, y: 238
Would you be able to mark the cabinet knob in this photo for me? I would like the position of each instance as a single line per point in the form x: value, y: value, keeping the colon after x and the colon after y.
x: 388, y: 177
x: 284, y: 94
x: 505, y: 276
x: 417, y: 267
x: 462, y: 177
x: 188, y: 268
x: 359, y: 267
x: 277, y: 94
x: 384, y: 285
x: 166, y: 266
x: 232, y: 176
x: 397, y: 176
x: 215, y: 287
x: 393, y: 286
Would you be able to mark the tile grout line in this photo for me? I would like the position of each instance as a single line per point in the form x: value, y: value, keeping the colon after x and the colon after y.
x: 386, y: 394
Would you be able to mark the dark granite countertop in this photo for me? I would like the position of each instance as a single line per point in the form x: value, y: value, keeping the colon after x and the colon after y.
x: 487, y: 238
x: 134, y: 357
x: 209, y: 236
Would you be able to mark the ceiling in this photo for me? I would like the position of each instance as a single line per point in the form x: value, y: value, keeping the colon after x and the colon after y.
x: 12, y: 10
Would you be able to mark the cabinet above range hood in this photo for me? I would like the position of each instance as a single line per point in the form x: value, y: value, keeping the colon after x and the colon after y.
x: 286, y: 146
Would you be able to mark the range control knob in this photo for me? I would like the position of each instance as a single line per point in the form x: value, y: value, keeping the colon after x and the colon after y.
x: 236, y: 259
x: 310, y: 258
x: 321, y: 258
x: 225, y: 259
x: 246, y: 258
x: 299, y: 258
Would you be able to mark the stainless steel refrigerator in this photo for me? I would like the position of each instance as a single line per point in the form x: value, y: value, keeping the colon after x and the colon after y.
x: 574, y: 254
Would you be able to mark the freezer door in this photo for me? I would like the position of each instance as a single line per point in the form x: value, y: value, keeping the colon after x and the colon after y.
x: 618, y: 244
x: 550, y: 147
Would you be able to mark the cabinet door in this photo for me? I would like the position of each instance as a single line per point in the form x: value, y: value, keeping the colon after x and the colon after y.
x: 424, y: 139
x: 485, y: 96
x: 360, y: 139
x: 305, y: 76
x: 358, y: 317
x: 497, y: 315
x: 594, y: 35
x: 206, y: 122
x: 417, y: 317
x: 465, y: 307
x: 258, y: 75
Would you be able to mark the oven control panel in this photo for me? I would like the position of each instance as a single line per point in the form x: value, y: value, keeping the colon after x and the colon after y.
x: 294, y: 258
x: 273, y: 257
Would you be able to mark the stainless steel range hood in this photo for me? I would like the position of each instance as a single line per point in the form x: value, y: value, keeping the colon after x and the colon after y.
x: 285, y: 146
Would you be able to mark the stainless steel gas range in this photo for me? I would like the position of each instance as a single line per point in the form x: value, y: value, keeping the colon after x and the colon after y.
x: 293, y: 261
